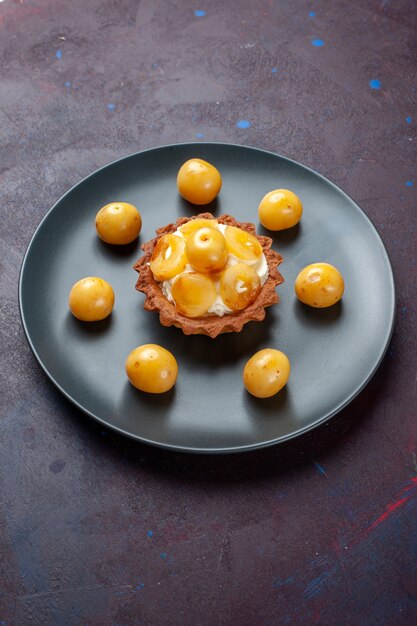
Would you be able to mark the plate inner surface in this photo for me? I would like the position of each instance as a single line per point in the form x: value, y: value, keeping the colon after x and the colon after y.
x: 333, y: 352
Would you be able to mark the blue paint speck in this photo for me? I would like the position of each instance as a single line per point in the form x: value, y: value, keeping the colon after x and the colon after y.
x: 150, y: 533
x: 404, y: 310
x: 317, y: 42
x: 163, y: 555
x: 68, y: 84
x: 282, y: 582
x: 58, y: 54
x: 375, y: 83
x: 315, y: 586
x: 274, y: 70
x: 408, y: 120
x: 140, y: 586
x: 320, y: 469
x: 199, y: 13
x: 200, y: 135
x: 312, y: 14
x: 243, y: 124
x: 154, y: 66
x: 409, y: 183
x: 111, y: 106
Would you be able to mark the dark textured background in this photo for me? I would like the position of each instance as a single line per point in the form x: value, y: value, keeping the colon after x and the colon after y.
x: 96, y: 529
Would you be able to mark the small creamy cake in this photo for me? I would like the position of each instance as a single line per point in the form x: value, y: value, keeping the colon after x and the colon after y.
x: 208, y: 275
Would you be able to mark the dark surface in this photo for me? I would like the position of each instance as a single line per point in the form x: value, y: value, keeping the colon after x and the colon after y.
x: 334, y: 352
x: 96, y: 529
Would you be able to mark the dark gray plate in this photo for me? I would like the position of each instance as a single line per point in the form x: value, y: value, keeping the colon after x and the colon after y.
x: 333, y: 352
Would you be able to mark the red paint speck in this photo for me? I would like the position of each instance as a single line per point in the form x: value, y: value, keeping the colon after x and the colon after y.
x: 388, y: 511
x: 405, y: 495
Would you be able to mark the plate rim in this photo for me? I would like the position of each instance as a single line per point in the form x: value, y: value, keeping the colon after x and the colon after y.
x: 192, y: 449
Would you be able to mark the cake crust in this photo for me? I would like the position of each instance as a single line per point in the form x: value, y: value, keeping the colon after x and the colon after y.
x: 211, y: 325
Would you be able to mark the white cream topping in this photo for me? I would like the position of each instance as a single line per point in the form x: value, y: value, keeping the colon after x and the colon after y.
x: 218, y: 307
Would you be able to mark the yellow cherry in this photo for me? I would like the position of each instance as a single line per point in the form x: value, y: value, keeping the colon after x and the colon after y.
x: 319, y: 285
x: 239, y: 286
x: 266, y: 373
x: 193, y: 294
x: 91, y: 299
x: 118, y: 223
x: 198, y: 181
x: 206, y: 250
x: 168, y: 258
x: 194, y: 224
x: 280, y: 209
x: 152, y: 368
x: 242, y: 244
